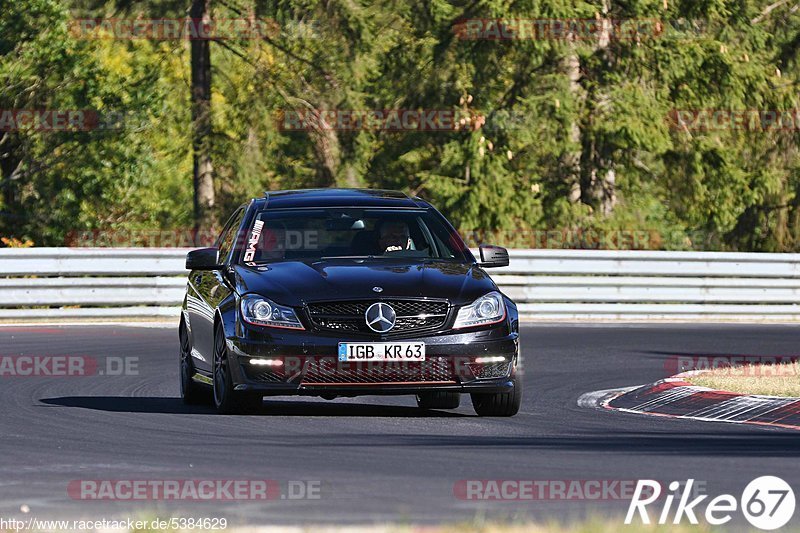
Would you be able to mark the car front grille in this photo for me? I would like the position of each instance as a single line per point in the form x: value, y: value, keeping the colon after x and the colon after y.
x: 348, y: 316
x: 336, y: 324
x: 327, y: 371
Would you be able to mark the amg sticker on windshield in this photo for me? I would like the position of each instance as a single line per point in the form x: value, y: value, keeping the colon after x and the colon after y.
x: 255, y: 234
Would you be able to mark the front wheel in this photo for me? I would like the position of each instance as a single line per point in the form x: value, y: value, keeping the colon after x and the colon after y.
x: 226, y: 400
x: 438, y: 400
x: 499, y: 404
x: 192, y: 393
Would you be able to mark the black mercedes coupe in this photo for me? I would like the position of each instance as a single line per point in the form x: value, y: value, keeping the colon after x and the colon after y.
x: 346, y: 292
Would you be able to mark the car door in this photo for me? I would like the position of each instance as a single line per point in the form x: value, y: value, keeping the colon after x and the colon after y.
x: 209, y: 288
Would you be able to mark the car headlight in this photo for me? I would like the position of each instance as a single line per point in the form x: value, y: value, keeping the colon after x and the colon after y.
x: 488, y: 309
x: 263, y: 312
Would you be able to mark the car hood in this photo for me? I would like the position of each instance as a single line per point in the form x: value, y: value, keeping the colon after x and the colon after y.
x: 295, y: 283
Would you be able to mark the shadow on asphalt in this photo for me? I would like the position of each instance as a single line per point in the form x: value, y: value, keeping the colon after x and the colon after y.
x: 124, y: 404
x: 759, y: 443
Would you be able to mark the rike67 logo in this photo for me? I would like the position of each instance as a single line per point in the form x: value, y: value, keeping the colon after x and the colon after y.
x: 767, y: 503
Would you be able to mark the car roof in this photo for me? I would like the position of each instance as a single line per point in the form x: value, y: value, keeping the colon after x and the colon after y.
x: 341, y: 198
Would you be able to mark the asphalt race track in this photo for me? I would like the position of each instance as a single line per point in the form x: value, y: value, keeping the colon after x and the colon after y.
x: 376, y: 459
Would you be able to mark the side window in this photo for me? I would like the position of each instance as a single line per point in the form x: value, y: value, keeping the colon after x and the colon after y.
x: 228, y: 236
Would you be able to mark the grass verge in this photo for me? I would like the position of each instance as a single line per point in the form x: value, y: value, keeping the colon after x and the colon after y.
x: 768, y: 380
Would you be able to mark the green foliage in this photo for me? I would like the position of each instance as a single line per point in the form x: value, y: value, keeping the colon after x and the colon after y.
x: 132, y: 173
x: 558, y: 134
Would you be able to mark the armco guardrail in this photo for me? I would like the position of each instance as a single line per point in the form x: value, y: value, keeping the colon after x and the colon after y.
x: 547, y: 284
x: 636, y: 285
x: 91, y: 282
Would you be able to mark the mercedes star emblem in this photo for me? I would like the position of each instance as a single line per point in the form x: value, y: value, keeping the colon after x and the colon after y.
x: 380, y: 317
x: 377, y: 289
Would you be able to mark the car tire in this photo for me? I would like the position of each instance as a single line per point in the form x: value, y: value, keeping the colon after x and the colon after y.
x: 438, y: 400
x: 498, y: 404
x: 226, y: 400
x: 192, y: 393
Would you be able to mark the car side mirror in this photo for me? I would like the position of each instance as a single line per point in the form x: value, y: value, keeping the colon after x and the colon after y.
x: 493, y: 256
x: 203, y: 259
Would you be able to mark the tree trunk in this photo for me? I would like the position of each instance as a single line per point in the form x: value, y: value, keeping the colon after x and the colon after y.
x: 598, y: 174
x: 201, y: 125
x: 331, y: 171
x: 327, y: 151
x: 349, y: 177
x: 604, y: 186
x: 571, y: 161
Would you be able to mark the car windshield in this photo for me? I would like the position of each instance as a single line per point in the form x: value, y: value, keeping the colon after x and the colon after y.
x: 317, y: 234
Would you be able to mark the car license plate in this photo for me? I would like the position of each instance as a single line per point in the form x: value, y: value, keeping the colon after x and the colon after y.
x: 382, y: 351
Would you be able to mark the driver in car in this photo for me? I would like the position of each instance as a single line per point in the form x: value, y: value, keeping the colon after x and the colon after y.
x: 393, y: 235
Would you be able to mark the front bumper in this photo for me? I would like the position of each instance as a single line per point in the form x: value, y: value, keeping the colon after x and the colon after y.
x: 304, y: 364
